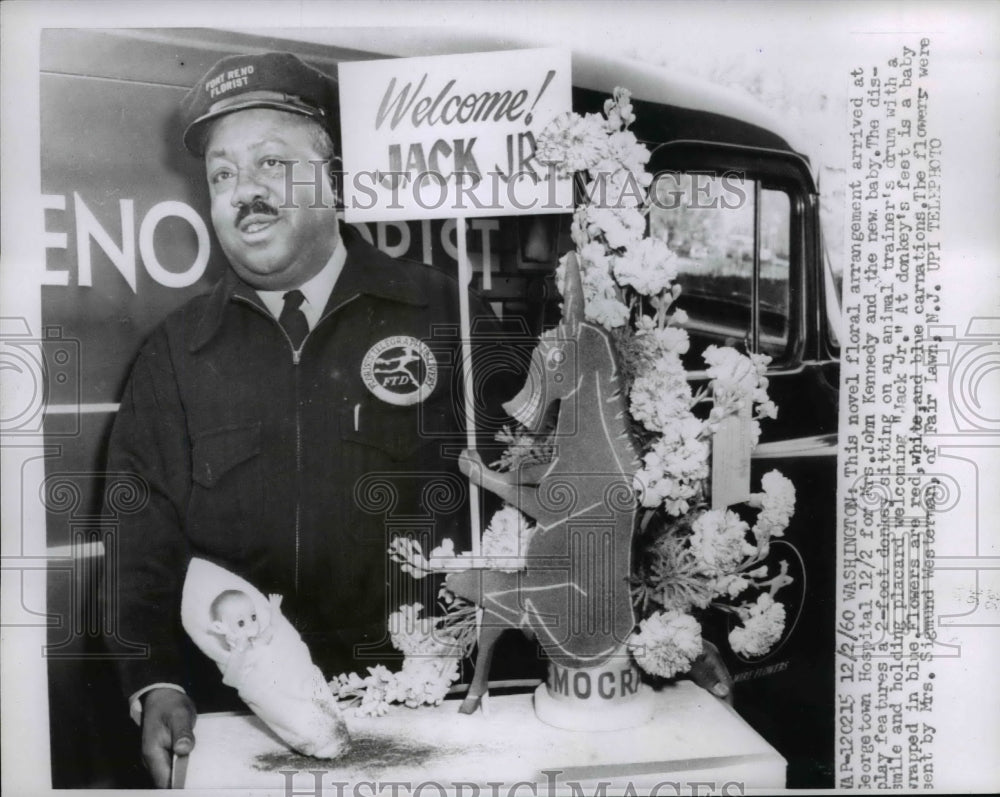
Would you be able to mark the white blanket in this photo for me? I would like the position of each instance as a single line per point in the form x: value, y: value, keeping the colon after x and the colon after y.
x: 277, y: 678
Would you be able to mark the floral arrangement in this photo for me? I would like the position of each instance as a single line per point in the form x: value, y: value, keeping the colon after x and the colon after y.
x: 689, y: 558
x: 432, y: 649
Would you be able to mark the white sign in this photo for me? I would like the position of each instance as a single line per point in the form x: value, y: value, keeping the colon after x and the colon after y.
x: 731, y: 461
x: 452, y: 136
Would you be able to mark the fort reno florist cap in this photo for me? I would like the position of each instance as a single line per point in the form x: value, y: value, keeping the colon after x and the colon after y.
x: 280, y: 81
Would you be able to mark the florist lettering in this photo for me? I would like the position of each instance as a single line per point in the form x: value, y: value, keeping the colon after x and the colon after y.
x: 227, y: 81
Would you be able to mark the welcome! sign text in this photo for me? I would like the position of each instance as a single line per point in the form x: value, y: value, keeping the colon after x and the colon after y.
x: 452, y: 136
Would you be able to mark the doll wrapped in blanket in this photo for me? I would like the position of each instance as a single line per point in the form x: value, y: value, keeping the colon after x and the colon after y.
x: 263, y: 657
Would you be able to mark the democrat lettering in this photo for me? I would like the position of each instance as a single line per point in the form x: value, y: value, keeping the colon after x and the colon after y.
x: 606, y: 684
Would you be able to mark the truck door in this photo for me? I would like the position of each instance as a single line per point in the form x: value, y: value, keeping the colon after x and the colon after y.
x: 744, y: 224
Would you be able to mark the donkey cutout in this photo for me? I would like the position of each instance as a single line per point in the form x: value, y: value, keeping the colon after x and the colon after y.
x: 574, y: 593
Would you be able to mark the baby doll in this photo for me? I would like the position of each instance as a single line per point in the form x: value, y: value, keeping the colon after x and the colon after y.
x: 263, y: 657
x: 234, y: 617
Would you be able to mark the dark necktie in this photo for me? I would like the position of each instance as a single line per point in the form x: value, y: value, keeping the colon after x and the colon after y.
x: 293, y: 320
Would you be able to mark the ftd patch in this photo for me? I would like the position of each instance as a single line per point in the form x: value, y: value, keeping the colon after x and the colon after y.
x: 400, y: 370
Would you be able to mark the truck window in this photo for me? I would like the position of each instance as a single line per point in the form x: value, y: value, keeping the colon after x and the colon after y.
x: 716, y: 224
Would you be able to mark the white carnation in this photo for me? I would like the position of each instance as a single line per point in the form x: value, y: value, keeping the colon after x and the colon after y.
x: 622, y: 150
x: 730, y: 371
x: 506, y: 539
x: 763, y: 625
x: 652, y: 341
x: 609, y: 313
x: 573, y: 142
x: 618, y: 109
x: 666, y: 643
x: 738, y: 382
x: 661, y: 394
x: 410, y: 633
x: 620, y: 227
x: 674, y: 467
x: 408, y: 553
x: 648, y: 266
x: 617, y: 188
x: 425, y: 680
x: 594, y: 256
x: 718, y: 542
x: 446, y: 550
x: 730, y: 585
x: 777, y: 505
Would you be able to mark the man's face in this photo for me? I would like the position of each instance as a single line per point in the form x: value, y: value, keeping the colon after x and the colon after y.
x: 275, y: 236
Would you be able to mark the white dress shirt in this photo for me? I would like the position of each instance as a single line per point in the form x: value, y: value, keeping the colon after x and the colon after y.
x: 316, y: 291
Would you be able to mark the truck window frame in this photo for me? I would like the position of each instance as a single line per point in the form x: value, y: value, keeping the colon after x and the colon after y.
x: 769, y: 169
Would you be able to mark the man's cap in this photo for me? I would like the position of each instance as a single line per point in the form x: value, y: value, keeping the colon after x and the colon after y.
x: 281, y: 81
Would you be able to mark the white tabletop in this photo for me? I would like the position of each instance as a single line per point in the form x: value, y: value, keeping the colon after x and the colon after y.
x: 693, y: 737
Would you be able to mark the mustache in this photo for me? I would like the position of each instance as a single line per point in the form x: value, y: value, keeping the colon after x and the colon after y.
x: 257, y: 207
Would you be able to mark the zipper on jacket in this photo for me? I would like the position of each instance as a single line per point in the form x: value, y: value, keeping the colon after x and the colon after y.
x: 298, y: 467
x: 296, y: 353
x: 296, y: 359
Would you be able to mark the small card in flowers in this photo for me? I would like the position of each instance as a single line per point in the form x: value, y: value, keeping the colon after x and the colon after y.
x: 731, y: 446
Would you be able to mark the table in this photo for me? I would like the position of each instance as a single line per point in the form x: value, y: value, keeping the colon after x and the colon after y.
x: 505, y: 753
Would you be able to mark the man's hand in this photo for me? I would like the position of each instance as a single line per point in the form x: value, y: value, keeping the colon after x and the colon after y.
x: 711, y: 673
x: 168, y: 718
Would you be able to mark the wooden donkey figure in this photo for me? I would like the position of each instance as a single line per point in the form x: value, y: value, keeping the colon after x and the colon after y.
x: 574, y: 593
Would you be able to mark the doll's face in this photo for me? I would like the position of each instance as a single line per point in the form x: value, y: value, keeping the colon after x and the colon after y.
x: 238, y: 615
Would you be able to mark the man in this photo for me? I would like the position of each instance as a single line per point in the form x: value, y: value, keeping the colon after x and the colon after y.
x: 283, y: 421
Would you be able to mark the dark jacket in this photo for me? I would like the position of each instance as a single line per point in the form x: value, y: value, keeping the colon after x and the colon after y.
x: 291, y: 471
